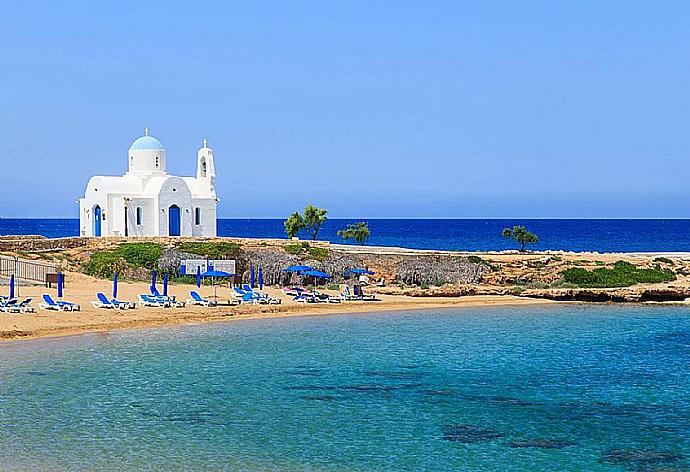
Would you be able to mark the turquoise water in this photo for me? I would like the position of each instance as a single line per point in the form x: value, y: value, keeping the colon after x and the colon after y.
x: 550, y: 388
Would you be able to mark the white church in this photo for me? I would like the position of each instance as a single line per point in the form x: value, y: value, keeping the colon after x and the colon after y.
x: 147, y: 201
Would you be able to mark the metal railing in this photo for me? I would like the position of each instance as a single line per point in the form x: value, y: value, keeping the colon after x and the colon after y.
x: 26, y: 270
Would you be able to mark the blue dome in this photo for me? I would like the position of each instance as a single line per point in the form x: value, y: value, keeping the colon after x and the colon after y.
x: 146, y: 143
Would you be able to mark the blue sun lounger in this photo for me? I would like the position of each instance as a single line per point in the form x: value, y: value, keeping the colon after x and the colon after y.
x: 103, y: 302
x: 61, y: 305
x: 199, y: 300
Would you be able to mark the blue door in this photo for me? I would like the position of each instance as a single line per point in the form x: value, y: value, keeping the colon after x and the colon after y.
x: 174, y: 221
x: 96, y: 220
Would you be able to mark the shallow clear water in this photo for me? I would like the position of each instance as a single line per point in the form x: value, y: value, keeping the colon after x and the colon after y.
x: 548, y: 388
x: 467, y: 235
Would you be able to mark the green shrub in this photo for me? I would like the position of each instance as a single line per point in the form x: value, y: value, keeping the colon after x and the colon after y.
x: 318, y: 253
x: 140, y: 254
x: 663, y: 260
x: 130, y: 255
x: 478, y: 260
x: 424, y: 286
x: 104, y: 264
x: 294, y: 249
x: 439, y: 283
x: 211, y: 250
x: 623, y: 274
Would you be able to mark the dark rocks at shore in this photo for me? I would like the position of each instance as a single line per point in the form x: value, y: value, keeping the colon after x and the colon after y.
x: 624, y: 295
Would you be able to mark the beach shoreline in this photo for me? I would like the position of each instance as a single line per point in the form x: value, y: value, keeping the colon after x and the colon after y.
x: 53, y: 324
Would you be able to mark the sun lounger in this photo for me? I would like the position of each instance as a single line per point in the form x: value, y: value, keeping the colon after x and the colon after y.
x: 152, y: 301
x: 262, y: 297
x: 49, y: 304
x: 25, y: 306
x: 171, y: 301
x: 102, y: 302
x: 358, y: 295
x: 9, y: 305
x: 123, y: 305
x: 199, y: 300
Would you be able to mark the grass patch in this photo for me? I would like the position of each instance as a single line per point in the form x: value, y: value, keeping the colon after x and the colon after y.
x: 130, y: 255
x: 304, y: 249
x: 623, y: 274
x: 219, y: 250
x: 294, y: 249
x: 478, y: 260
x: 318, y: 253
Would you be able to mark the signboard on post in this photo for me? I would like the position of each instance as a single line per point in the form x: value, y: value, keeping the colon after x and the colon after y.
x: 223, y: 266
x: 189, y: 266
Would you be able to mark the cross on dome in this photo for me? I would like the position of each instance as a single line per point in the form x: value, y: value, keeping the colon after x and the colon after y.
x: 146, y: 131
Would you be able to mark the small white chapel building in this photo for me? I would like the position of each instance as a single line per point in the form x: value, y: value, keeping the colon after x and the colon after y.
x: 147, y: 201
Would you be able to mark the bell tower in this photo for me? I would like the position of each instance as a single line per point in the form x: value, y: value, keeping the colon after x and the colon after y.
x: 206, y: 167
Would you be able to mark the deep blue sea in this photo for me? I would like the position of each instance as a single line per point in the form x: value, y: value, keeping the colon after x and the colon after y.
x: 549, y: 388
x: 469, y: 235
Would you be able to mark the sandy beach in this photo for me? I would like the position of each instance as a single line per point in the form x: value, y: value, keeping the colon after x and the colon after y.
x: 81, y: 289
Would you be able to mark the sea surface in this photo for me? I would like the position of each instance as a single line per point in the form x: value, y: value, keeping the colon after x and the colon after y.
x: 552, y: 388
x: 468, y: 235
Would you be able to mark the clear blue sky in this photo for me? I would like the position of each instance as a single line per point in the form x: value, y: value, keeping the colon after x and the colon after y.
x: 367, y: 108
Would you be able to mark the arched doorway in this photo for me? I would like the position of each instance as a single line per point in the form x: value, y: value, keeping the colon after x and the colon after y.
x: 97, y: 220
x: 174, y: 221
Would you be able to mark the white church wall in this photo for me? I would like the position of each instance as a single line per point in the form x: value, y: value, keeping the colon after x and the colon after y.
x: 149, y: 217
x: 207, y: 226
x: 174, y: 191
x: 86, y: 216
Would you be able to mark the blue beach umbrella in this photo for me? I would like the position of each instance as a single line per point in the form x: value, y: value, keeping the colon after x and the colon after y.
x: 359, y: 271
x: 115, y: 286
x: 261, y: 278
x: 198, y: 276
x: 12, y: 286
x: 317, y: 273
x: 251, y: 276
x: 297, y: 268
x: 153, y: 281
x: 60, y: 283
x: 165, y: 284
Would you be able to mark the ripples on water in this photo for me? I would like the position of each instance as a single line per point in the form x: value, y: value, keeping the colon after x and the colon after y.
x: 550, y: 388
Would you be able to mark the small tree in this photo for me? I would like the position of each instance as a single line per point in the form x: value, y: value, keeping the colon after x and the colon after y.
x: 313, y: 218
x: 521, y: 236
x: 293, y: 224
x: 358, y: 231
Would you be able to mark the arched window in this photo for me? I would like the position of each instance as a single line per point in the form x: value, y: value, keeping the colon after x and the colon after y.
x: 138, y: 216
x: 197, y: 216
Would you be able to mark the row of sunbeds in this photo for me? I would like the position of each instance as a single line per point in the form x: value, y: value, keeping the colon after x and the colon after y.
x: 14, y: 305
x: 305, y: 296
x: 246, y: 294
